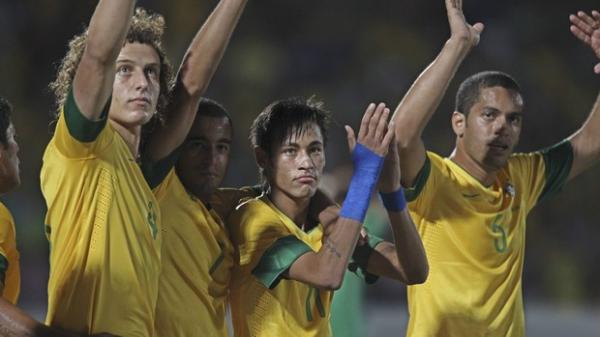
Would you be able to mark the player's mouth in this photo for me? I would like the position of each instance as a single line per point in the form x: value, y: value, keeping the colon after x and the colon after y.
x: 140, y: 101
x: 498, y: 146
x: 306, y: 179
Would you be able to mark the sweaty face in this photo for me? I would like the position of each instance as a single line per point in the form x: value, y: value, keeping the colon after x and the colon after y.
x: 9, y: 162
x: 297, y: 163
x: 136, y: 86
x: 203, y: 161
x: 493, y: 127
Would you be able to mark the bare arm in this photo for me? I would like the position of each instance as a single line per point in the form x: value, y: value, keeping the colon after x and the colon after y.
x: 405, y: 259
x: 95, y: 74
x: 199, y: 64
x: 326, y: 268
x: 16, y: 323
x: 423, y: 98
x: 586, y: 141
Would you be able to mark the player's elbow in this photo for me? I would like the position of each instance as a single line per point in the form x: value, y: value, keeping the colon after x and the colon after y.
x: 328, y: 280
x: 418, y: 276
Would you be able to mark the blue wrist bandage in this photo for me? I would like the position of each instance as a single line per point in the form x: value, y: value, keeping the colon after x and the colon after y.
x: 394, y: 201
x: 367, y: 165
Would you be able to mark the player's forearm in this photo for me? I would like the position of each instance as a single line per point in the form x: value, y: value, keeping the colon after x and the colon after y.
x: 326, y: 268
x: 16, y: 323
x: 95, y: 73
x: 423, y: 98
x: 208, y: 46
x: 198, y: 66
x: 411, y: 265
x: 586, y: 142
x: 108, y: 28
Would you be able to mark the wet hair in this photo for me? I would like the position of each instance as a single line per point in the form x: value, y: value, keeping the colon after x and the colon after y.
x: 281, y: 118
x: 470, y: 89
x: 145, y: 28
x: 212, y: 108
x: 5, y: 112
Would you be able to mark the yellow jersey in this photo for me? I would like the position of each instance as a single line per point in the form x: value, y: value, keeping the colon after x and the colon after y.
x: 10, y: 275
x: 262, y: 303
x: 474, y: 237
x: 197, y: 257
x: 103, y: 225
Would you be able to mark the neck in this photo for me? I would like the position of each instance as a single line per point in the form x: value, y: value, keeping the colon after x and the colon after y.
x: 131, y: 135
x: 484, y: 175
x: 295, y: 209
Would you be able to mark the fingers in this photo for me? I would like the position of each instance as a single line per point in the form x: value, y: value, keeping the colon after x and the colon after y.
x: 587, y: 19
x: 389, y: 135
x: 351, y: 138
x: 364, y: 124
x: 597, y: 69
x: 478, y: 27
x: 580, y: 34
x: 596, y: 15
x: 581, y: 24
x: 383, y: 123
x: 374, y: 123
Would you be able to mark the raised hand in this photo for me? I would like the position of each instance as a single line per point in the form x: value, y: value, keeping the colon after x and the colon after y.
x: 375, y: 132
x: 587, y: 29
x: 460, y: 29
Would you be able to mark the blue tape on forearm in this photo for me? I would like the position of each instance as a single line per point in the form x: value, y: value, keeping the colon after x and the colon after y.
x: 367, y: 165
x: 394, y: 201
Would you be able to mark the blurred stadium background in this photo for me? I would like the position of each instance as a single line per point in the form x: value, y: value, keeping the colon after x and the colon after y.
x: 348, y: 53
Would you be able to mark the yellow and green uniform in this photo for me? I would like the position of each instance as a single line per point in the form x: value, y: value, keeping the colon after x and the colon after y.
x: 103, y: 225
x: 10, y: 276
x: 197, y: 257
x: 474, y: 237
x: 262, y: 302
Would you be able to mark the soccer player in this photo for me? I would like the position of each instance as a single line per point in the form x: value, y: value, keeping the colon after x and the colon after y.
x: 103, y: 220
x: 10, y: 278
x: 197, y: 252
x: 471, y: 207
x: 287, y: 265
x: 13, y: 321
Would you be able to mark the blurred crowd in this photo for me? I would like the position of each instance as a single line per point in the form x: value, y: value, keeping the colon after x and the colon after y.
x: 347, y: 53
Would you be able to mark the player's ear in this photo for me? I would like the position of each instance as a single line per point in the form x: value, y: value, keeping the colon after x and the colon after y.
x: 262, y: 158
x: 459, y: 122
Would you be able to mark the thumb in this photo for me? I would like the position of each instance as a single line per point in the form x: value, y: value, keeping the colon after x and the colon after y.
x: 351, y: 138
x: 478, y: 27
x: 597, y: 69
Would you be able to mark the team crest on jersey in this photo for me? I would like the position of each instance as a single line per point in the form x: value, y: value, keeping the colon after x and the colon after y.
x: 152, y: 220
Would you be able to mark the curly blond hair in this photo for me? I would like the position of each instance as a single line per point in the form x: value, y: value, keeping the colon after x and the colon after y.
x: 146, y: 28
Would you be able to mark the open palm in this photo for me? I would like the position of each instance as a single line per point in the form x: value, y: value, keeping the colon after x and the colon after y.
x: 587, y: 29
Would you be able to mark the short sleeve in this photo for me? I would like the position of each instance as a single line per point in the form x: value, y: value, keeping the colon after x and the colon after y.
x: 78, y: 137
x: 558, y: 160
x: 277, y: 259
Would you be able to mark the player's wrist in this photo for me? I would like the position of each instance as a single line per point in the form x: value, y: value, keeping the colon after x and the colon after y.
x: 394, y: 201
x: 367, y: 166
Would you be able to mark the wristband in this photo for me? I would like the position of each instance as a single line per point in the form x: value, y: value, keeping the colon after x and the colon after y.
x: 367, y: 165
x: 394, y: 201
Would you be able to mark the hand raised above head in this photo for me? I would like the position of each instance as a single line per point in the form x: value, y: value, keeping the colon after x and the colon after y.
x: 375, y: 132
x: 587, y: 29
x: 460, y: 29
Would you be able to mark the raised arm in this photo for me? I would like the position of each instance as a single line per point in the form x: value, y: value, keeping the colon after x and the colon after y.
x: 405, y: 259
x: 199, y: 64
x: 586, y: 141
x: 423, y: 98
x: 326, y: 268
x: 95, y: 74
